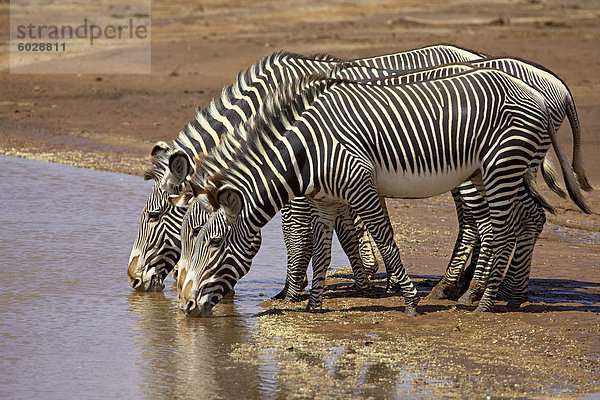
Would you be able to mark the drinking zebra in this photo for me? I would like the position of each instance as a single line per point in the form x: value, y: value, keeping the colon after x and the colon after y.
x: 148, y: 262
x: 560, y: 104
x: 353, y: 142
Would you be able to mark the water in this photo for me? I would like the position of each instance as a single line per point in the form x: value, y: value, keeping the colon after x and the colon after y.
x: 71, y: 326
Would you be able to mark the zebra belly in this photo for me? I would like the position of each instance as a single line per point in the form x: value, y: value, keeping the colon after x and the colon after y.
x: 403, y: 184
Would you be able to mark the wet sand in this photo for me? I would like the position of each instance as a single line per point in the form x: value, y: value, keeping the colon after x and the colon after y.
x: 549, y: 348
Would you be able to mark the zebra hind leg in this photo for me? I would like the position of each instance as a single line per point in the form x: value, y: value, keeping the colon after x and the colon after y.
x: 503, y: 220
x: 348, y: 235
x: 533, y: 220
x: 478, y: 213
x: 323, y: 219
x: 466, y: 241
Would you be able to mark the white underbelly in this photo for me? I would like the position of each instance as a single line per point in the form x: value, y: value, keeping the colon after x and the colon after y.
x: 414, y: 186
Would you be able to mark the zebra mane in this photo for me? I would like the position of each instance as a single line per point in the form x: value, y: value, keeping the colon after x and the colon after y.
x: 244, y: 78
x: 484, y: 55
x: 229, y: 94
x: 255, y: 135
x: 340, y: 66
x: 324, y: 57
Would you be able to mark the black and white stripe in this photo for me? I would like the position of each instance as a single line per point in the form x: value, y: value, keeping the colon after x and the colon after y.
x: 354, y: 142
x: 237, y: 103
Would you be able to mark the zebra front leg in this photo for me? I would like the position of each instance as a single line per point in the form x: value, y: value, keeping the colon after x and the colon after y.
x: 297, y: 235
x: 348, y: 235
x: 323, y: 217
x: 367, y: 205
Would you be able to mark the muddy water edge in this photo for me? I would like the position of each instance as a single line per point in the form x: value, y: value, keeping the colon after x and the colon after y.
x: 71, y: 326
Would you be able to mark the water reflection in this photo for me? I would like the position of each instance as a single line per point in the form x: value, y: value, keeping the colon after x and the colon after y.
x: 190, y: 358
x: 70, y: 325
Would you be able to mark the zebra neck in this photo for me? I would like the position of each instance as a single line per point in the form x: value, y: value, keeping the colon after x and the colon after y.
x: 239, y: 101
x: 270, y: 180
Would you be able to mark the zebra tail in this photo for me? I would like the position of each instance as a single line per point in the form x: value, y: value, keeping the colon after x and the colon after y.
x: 551, y: 177
x: 534, y: 190
x: 570, y: 181
x: 577, y: 155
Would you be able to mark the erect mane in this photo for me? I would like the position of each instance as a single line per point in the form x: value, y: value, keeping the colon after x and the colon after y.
x: 230, y: 94
x: 340, y: 66
x: 324, y: 57
x: 244, y: 77
x: 254, y: 136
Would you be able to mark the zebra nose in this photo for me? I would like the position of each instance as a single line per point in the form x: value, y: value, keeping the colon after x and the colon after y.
x: 136, y: 284
x: 190, y: 307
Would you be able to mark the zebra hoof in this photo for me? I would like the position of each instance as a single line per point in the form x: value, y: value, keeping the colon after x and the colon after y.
x: 293, y: 299
x: 363, y: 292
x: 483, y: 308
x: 470, y: 296
x: 514, y: 304
x: 438, y: 292
x: 410, y: 305
x: 314, y: 308
x: 410, y: 311
x: 466, y: 299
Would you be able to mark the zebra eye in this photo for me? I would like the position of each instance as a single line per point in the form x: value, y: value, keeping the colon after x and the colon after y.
x: 215, y: 242
x: 196, y: 230
x: 154, y: 215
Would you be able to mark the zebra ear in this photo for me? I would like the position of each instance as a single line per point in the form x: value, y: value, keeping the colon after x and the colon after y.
x: 231, y: 201
x: 179, y: 166
x: 160, y: 149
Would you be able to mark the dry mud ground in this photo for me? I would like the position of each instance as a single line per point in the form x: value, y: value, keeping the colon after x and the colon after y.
x: 549, y: 349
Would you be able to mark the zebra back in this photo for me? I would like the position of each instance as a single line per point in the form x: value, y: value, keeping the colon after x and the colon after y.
x: 420, y: 58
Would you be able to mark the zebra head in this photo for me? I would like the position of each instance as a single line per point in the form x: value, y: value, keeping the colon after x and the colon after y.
x: 219, y: 254
x: 157, y: 245
x: 193, y: 221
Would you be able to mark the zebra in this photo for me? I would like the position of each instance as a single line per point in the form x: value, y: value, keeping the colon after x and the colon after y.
x: 355, y: 142
x: 237, y: 103
x: 157, y: 245
x: 561, y: 104
x: 475, y: 230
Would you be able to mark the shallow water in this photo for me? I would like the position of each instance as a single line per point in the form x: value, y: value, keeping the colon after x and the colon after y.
x: 72, y: 327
